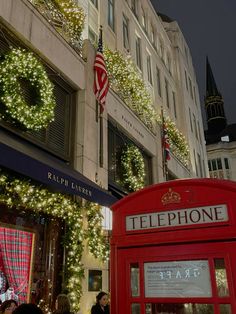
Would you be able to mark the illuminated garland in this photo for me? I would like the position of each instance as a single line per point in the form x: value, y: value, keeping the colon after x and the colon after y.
x: 96, y: 241
x: 128, y: 83
x: 132, y: 164
x: 74, y: 16
x: 21, y: 194
x: 66, y: 12
x: 21, y: 65
x: 178, y: 144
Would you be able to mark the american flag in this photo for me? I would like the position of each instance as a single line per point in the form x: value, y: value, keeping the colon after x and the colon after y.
x: 101, y: 82
x: 166, y: 144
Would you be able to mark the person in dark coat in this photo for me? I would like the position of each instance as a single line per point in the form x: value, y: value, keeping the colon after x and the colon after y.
x: 101, y: 306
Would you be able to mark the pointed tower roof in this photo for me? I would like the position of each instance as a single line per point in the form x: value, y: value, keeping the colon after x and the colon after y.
x: 211, y: 88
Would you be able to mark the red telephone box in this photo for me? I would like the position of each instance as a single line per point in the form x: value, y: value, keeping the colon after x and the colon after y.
x: 173, y: 249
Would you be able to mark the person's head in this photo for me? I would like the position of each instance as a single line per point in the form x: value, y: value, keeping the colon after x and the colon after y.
x: 27, y: 308
x: 8, y: 306
x: 62, y: 303
x: 102, y: 298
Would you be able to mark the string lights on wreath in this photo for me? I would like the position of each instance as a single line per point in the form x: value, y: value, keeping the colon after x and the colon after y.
x: 133, y: 166
x: 20, y: 65
x: 23, y: 195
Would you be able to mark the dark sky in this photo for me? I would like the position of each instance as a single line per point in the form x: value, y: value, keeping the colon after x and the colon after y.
x: 209, y: 29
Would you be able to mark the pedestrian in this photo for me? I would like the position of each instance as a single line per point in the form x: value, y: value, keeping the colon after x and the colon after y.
x: 27, y: 308
x: 101, y: 306
x: 8, y: 306
x: 62, y: 305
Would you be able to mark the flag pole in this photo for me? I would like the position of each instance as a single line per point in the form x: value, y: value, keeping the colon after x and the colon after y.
x: 164, y: 160
x: 101, y: 159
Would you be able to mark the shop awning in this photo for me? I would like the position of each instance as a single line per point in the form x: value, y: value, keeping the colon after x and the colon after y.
x: 29, y: 160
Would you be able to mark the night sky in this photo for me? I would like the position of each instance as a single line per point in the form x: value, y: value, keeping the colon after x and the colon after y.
x: 209, y: 29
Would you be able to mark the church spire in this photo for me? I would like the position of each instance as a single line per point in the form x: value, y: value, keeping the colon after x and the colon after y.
x: 211, y: 88
x: 214, y: 104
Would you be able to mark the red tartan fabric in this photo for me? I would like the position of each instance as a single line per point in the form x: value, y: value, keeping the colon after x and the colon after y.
x: 16, y: 247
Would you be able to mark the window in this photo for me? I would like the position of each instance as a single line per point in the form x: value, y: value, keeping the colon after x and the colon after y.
x: 186, y: 80
x: 111, y: 21
x: 199, y: 165
x: 161, y: 49
x: 195, y: 162
x: 168, y: 61
x: 92, y: 36
x: 194, y: 95
x: 195, y: 126
x: 134, y: 7
x: 152, y: 36
x: 116, y: 143
x: 190, y: 119
x: 125, y: 32
x: 217, y: 169
x: 174, y: 104
x: 149, y: 69
x: 58, y: 134
x: 95, y: 3
x: 190, y: 87
x: 167, y: 93
x: 144, y: 20
x: 158, y: 76
x: 138, y: 52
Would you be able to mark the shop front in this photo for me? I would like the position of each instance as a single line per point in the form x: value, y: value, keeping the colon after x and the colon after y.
x: 173, y: 249
x: 41, y: 224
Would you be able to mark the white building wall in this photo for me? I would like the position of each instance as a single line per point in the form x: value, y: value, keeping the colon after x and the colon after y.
x: 36, y: 32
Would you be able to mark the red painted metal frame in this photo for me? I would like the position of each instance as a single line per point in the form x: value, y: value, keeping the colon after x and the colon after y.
x: 202, y: 241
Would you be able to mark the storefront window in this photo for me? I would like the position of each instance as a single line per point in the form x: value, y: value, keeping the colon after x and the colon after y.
x: 221, y: 278
x: 31, y: 257
x: 179, y: 308
x: 134, y: 278
x: 225, y: 309
x: 135, y: 308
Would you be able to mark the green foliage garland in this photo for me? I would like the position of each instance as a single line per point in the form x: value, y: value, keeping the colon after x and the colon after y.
x: 22, y: 65
x: 23, y: 195
x: 178, y: 144
x: 128, y: 83
x: 132, y: 164
x: 74, y: 15
x: 96, y: 242
x: 67, y: 15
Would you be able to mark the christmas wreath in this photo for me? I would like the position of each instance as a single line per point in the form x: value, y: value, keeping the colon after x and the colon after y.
x: 132, y: 164
x: 18, y: 68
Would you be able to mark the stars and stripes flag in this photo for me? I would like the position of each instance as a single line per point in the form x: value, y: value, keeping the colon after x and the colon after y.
x: 101, y: 82
x: 165, y: 143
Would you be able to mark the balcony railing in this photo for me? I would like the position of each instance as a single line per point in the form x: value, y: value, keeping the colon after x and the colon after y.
x: 52, y: 14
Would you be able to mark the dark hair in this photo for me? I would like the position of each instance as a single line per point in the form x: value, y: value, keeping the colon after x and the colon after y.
x: 63, y: 304
x: 7, y: 304
x: 27, y: 308
x: 100, y: 295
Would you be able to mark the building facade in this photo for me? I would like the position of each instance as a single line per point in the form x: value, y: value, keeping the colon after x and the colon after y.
x: 93, y: 158
x: 220, y: 136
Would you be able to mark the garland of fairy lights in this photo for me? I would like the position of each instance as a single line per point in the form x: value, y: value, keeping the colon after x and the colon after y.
x: 19, y: 64
x: 128, y: 83
x: 178, y: 144
x: 74, y: 16
x: 97, y: 244
x: 132, y: 163
x: 21, y: 194
x: 66, y: 12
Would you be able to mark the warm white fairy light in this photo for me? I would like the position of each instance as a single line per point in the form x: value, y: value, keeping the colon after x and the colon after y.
x: 126, y: 80
x: 19, y: 64
x: 22, y: 194
x: 132, y: 163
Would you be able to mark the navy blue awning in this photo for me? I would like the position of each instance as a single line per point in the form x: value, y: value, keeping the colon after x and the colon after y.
x: 29, y: 160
